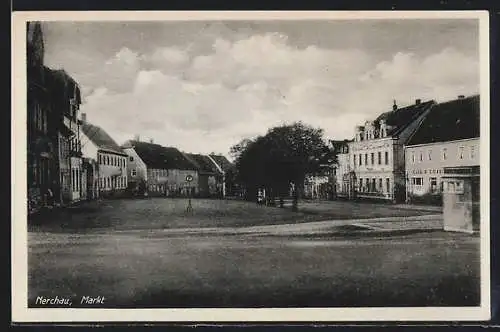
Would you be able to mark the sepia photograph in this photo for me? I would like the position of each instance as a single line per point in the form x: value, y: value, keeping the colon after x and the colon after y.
x: 233, y: 162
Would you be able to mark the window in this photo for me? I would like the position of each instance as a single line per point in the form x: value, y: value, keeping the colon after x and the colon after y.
x: 373, y: 185
x: 360, y: 184
x: 380, y: 158
x: 354, y: 160
x: 373, y: 158
x: 454, y: 187
x: 472, y: 152
x: 131, y: 158
x: 461, y: 152
x: 366, y: 158
x: 416, y: 181
x: 445, y: 151
x: 107, y: 160
x: 134, y: 172
x: 429, y: 155
x: 421, y: 156
x: 380, y: 184
x: 433, y: 184
x: 386, y: 157
x: 413, y: 157
x: 388, y: 185
x: 360, y: 160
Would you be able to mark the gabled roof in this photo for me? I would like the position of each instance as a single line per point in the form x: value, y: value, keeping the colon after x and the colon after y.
x: 340, y: 146
x: 64, y: 85
x: 204, y: 164
x: 399, y: 119
x: 100, y: 137
x: 449, y: 121
x: 222, y: 162
x: 160, y: 157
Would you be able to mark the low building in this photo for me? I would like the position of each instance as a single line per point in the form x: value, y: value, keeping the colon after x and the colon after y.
x: 106, y: 164
x: 448, y: 137
x: 209, y: 176
x: 226, y: 185
x: 159, y: 171
x: 376, y: 155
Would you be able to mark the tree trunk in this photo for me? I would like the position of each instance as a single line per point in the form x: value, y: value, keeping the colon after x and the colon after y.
x: 295, y: 202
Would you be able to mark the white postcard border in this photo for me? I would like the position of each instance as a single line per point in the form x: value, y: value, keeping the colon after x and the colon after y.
x: 20, y: 311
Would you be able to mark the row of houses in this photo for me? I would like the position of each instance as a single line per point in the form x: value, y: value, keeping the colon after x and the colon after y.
x: 158, y: 170
x: 404, y: 154
x: 54, y: 160
x: 70, y: 159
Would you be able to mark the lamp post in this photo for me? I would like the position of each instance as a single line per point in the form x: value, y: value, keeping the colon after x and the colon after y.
x: 189, y: 178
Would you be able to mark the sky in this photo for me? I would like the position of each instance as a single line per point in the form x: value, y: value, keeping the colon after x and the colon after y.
x: 202, y: 86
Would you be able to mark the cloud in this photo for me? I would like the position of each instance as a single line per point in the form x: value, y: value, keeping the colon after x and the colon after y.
x: 406, y: 77
x: 242, y: 86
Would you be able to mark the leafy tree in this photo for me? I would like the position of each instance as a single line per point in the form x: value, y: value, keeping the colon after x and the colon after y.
x: 285, y: 155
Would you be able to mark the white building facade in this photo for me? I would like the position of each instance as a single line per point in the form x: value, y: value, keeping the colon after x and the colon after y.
x: 373, y: 165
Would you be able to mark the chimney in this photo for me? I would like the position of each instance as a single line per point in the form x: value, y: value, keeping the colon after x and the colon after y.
x: 84, y: 117
x: 461, y: 97
x: 418, y: 101
x: 394, y: 106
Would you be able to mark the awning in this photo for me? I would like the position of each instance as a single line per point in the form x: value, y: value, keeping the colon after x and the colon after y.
x: 461, y: 171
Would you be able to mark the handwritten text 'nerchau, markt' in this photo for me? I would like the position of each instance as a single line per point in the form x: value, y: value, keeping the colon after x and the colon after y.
x: 89, y: 300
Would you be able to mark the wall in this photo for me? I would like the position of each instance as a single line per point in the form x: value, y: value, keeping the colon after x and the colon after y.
x: 135, y: 163
x: 209, y: 185
x: 112, y: 171
x: 76, y: 178
x: 64, y: 169
x: 177, y: 184
x: 157, y: 181
x: 374, y: 171
x: 426, y: 169
x: 89, y: 149
x: 343, y: 167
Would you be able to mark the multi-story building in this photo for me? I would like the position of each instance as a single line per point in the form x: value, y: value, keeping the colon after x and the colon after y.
x: 53, y: 99
x: 376, y: 155
x: 107, y: 174
x: 448, y: 137
x: 41, y: 124
x: 66, y: 101
x: 342, y: 171
x: 159, y: 170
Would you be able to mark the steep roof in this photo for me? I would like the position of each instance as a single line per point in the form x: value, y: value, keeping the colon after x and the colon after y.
x: 222, y: 162
x: 399, y: 119
x: 340, y: 146
x: 449, y: 121
x: 205, y: 165
x: 160, y: 157
x: 100, y: 137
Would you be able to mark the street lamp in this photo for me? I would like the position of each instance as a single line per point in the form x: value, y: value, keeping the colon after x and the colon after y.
x: 189, y: 178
